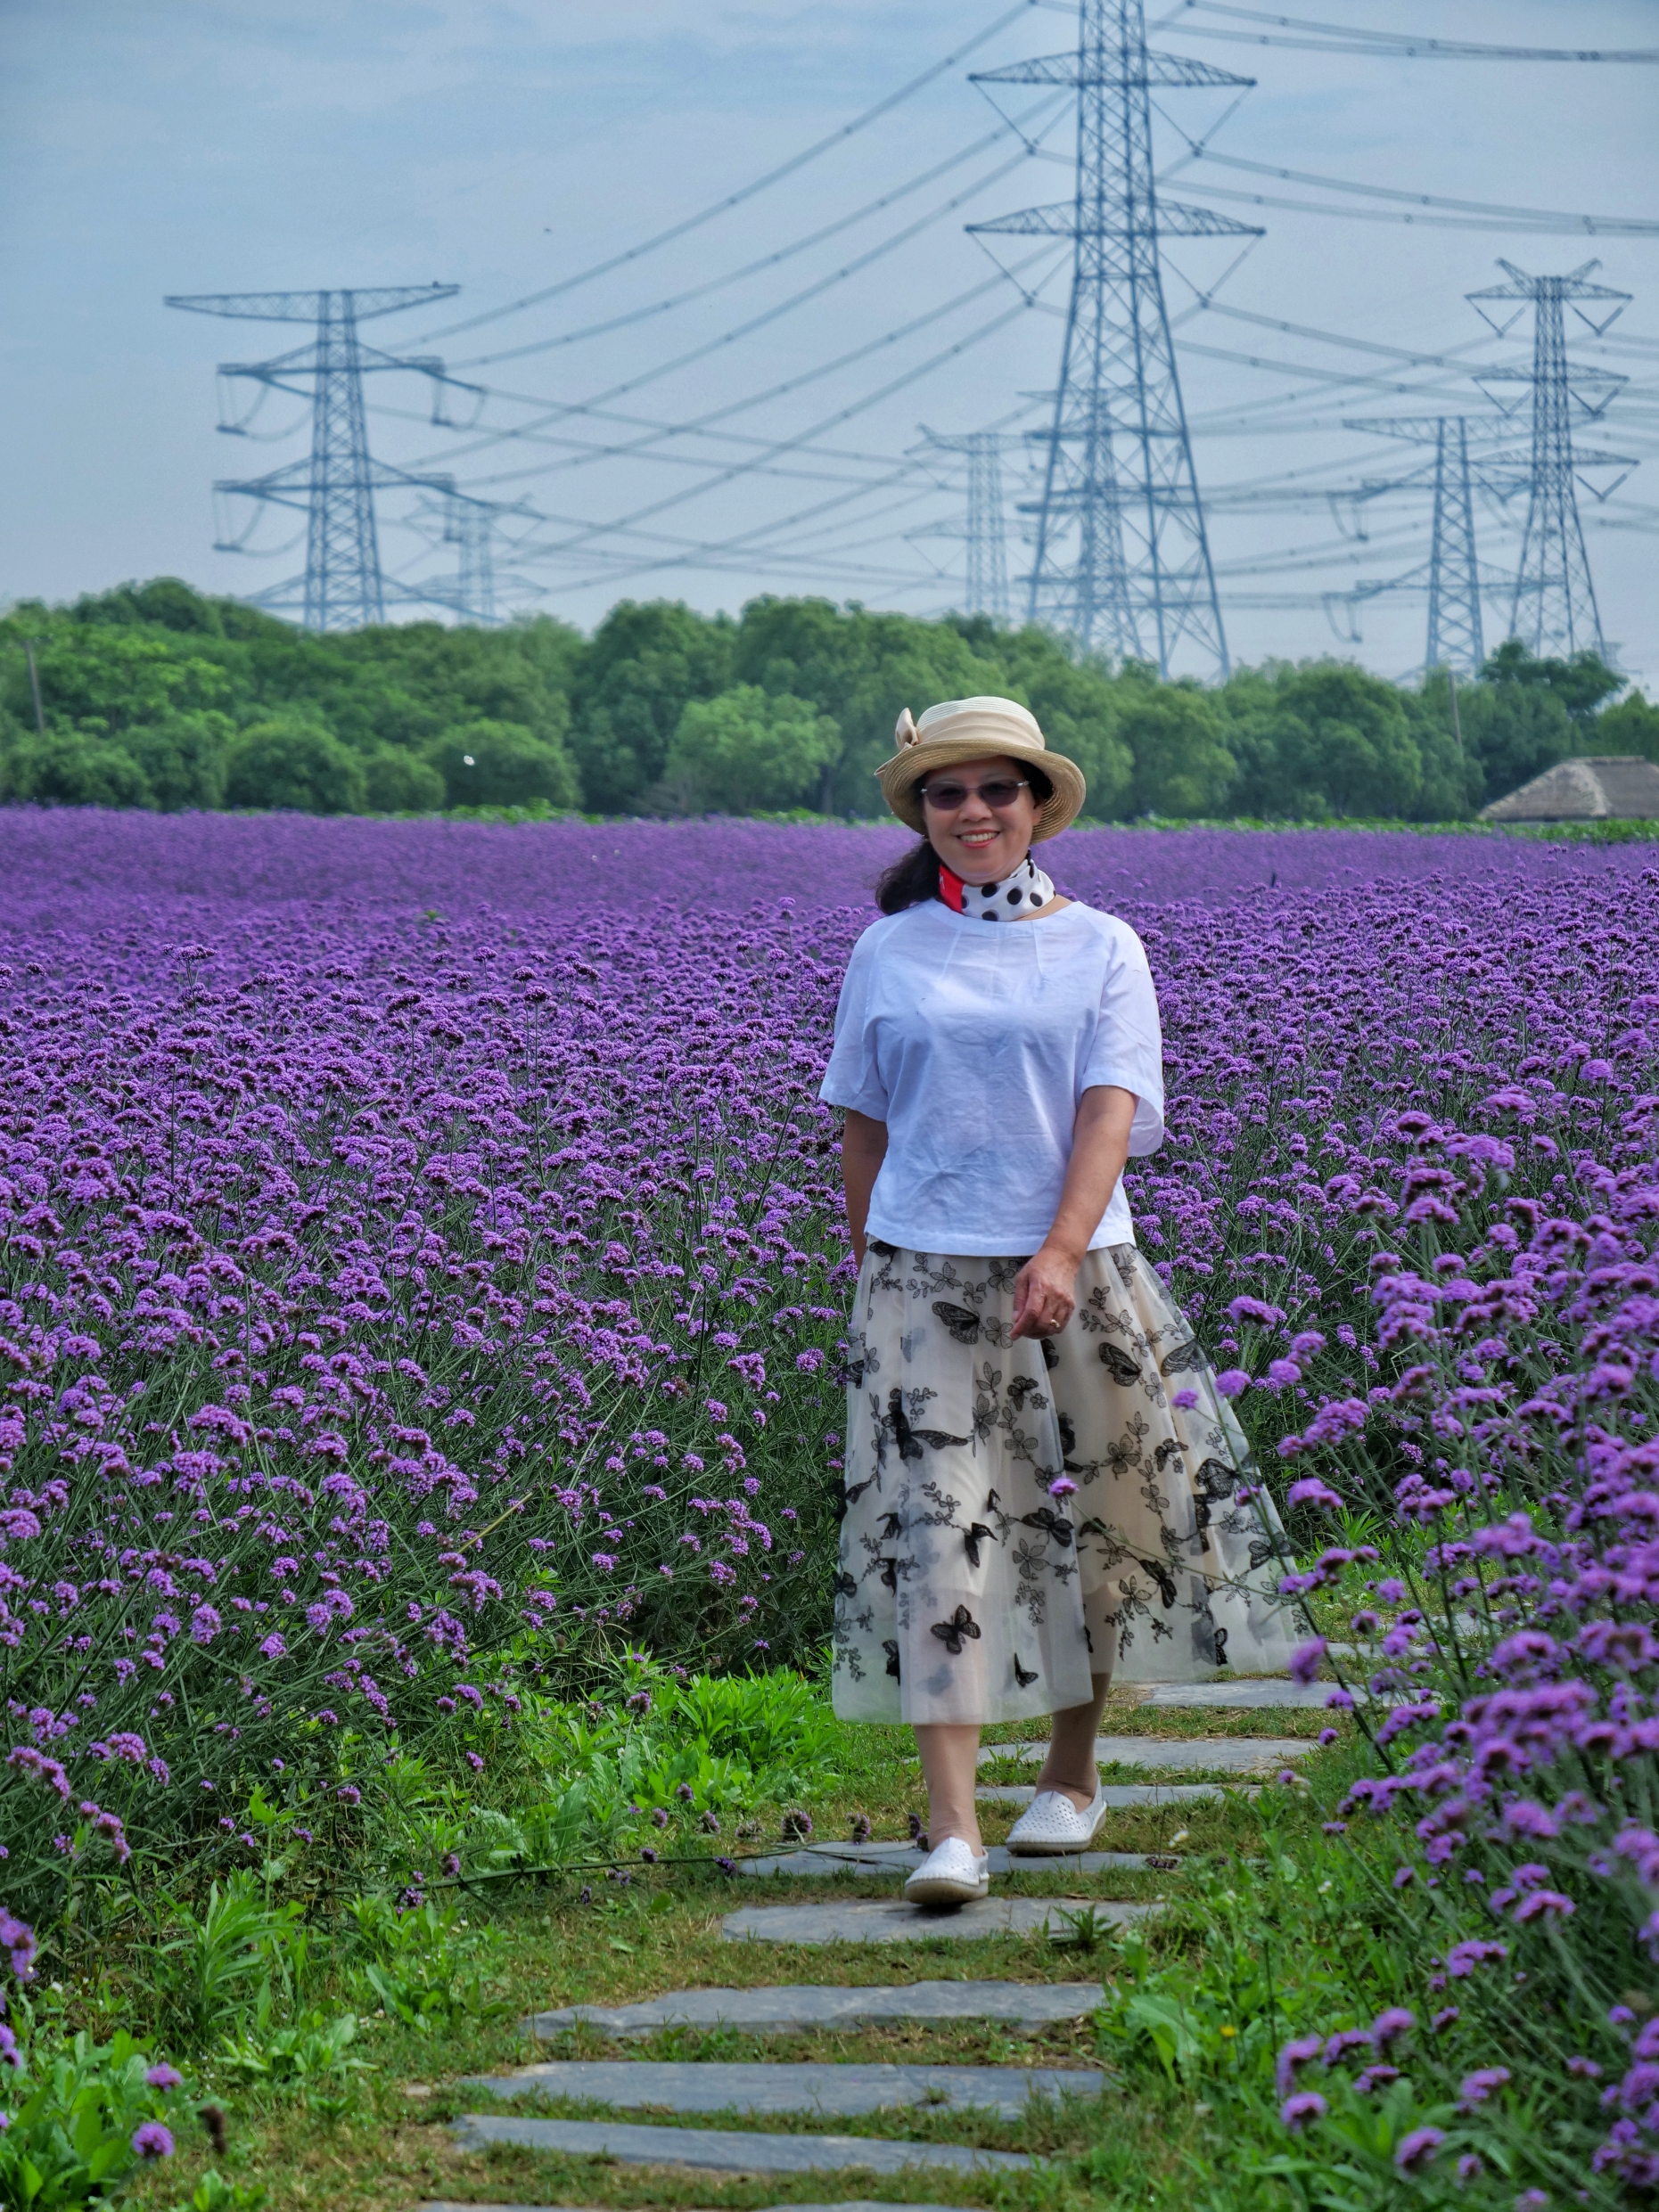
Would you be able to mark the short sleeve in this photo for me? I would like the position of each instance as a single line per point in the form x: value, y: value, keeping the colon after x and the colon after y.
x: 852, y: 1078
x: 1128, y: 1048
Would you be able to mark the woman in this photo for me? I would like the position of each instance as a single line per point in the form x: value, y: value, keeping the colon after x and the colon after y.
x: 1041, y: 1482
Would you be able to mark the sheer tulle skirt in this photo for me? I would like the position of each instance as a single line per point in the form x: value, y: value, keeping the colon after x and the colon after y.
x: 966, y: 1589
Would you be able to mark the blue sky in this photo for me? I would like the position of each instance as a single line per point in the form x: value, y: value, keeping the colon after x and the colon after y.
x: 179, y: 146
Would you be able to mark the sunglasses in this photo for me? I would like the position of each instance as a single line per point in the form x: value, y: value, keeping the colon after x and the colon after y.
x: 1001, y: 793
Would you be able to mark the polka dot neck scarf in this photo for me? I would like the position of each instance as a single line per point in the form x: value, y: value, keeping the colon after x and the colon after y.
x: 1024, y: 892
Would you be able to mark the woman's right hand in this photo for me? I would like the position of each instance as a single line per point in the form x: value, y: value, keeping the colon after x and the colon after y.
x: 863, y: 1149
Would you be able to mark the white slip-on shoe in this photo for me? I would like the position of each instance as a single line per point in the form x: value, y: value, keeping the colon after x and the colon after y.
x: 1051, y: 1824
x: 953, y: 1874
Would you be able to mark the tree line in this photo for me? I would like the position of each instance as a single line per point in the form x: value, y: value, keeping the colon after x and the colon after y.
x: 157, y: 696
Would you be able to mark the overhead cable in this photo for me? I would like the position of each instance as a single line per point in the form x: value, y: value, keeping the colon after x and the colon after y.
x: 782, y: 253
x: 747, y: 191
x: 1596, y: 226
x: 813, y: 291
x: 1402, y: 44
x: 556, y: 411
x: 842, y: 414
x: 1506, y: 227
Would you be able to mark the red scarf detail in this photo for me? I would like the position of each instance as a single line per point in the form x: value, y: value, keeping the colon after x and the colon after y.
x: 950, y: 889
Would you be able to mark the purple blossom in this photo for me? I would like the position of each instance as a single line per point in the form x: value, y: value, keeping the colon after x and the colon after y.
x: 1296, y: 2111
x: 1477, y: 2087
x: 1417, y: 2152
x: 1293, y: 2055
x: 1304, y: 1661
x: 152, y: 2141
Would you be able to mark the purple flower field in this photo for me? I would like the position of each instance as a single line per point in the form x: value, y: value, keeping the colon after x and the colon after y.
x: 424, y: 1272
x: 59, y: 864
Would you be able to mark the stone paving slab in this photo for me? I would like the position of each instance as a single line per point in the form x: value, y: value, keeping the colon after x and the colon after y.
x: 1122, y: 1797
x: 903, y: 1858
x: 1248, y: 1696
x: 798, y: 2006
x: 857, y: 2204
x: 727, y: 2150
x: 837, y: 2091
x: 1239, y: 1755
x: 881, y: 1921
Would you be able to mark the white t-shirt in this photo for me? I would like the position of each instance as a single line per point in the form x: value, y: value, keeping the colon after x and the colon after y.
x: 975, y: 1041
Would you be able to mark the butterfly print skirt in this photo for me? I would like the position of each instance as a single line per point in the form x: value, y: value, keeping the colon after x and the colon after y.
x: 966, y: 1591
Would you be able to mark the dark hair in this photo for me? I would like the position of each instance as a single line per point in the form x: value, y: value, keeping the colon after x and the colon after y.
x: 915, y: 880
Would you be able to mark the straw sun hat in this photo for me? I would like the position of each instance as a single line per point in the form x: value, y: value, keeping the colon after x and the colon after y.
x: 977, y: 729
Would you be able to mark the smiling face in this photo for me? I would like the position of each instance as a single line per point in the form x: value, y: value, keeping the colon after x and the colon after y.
x: 979, y: 842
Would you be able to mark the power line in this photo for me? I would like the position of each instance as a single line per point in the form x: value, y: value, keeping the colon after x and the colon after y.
x: 1517, y: 227
x: 1122, y: 559
x: 781, y: 389
x: 747, y: 191
x: 334, y: 486
x: 1633, y: 226
x: 1402, y: 45
x: 1555, y: 608
x: 842, y: 414
x: 779, y: 255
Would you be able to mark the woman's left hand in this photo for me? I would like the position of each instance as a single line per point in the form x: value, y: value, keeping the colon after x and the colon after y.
x: 1044, y: 1293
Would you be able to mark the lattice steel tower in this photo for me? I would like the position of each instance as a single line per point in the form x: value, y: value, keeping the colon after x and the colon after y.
x: 1122, y: 556
x: 343, y: 587
x: 470, y: 526
x: 1553, y: 609
x: 1453, y: 571
x: 984, y: 531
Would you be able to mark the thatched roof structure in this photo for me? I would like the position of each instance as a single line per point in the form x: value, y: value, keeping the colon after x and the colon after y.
x: 1603, y: 787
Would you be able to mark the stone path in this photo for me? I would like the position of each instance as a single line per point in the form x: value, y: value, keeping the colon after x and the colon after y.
x: 881, y: 1919
x: 805, y: 2005
x: 865, y: 1859
x: 1250, y: 1696
x: 1122, y: 1797
x: 824, y: 2093
x: 709, y: 2086
x: 1233, y: 1755
x: 855, y: 2204
x: 729, y: 2150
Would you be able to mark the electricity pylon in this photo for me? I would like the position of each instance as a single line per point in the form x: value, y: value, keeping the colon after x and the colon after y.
x: 1452, y: 573
x: 983, y: 530
x: 1122, y: 556
x: 1553, y: 609
x: 342, y: 587
x: 470, y: 525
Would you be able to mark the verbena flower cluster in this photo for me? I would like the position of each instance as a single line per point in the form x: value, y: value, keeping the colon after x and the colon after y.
x: 1414, y: 1188
x: 423, y: 1263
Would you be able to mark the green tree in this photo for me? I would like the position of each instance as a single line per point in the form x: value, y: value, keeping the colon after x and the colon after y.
x: 64, y: 769
x: 748, y: 751
x: 1632, y: 726
x: 1452, y: 779
x: 183, y: 759
x: 296, y: 766
x: 1076, y: 698
x: 1511, y: 730
x: 859, y: 670
x: 1324, y: 738
x: 1579, y: 683
x: 500, y: 763
x: 643, y: 666
x: 117, y: 678
x: 1177, y: 739
x: 399, y: 783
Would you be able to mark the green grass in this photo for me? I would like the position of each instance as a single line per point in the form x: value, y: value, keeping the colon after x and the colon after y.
x: 663, y: 1932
